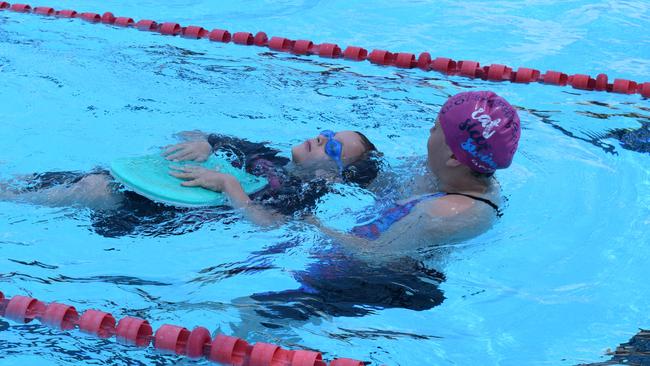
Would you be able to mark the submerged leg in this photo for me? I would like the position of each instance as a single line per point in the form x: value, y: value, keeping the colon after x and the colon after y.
x: 64, y: 189
x: 11, y: 187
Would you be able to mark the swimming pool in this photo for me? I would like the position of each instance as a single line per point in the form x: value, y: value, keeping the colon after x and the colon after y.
x: 559, y: 279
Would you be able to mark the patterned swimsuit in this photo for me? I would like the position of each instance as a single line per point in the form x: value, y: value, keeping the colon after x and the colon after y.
x: 397, y: 211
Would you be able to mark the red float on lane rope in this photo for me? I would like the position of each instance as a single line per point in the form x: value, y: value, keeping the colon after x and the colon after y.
x: 171, y: 338
x: 108, y: 18
x: 60, y: 316
x: 23, y: 309
x: 380, y: 57
x: 497, y: 72
x: 444, y: 65
x: 284, y: 356
x: 123, y: 22
x: 134, y: 331
x: 424, y: 61
x: 644, y: 90
x: 624, y: 86
x: 346, y: 362
x: 199, y: 338
x: 555, y: 78
x: 146, y: 25
x: 261, y: 39
x: 91, y: 17
x: 219, y: 35
x: 469, y: 69
x: 601, y: 82
x: 243, y: 38
x: 303, y: 47
x: 170, y: 29
x: 195, y: 32
x: 307, y: 358
x: 580, y: 81
x: 525, y: 75
x: 68, y: 13
x: 355, y: 53
x: 4, y: 5
x: 405, y: 60
x: 263, y: 354
x: 97, y: 323
x: 329, y: 50
x: 20, y: 8
x: 280, y: 44
x: 228, y: 350
x: 44, y: 10
x: 3, y: 304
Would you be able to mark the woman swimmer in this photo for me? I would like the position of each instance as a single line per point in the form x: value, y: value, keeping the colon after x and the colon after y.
x: 475, y: 134
x: 345, y: 156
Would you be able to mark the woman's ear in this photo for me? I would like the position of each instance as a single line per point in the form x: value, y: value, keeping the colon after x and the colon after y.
x: 452, y: 162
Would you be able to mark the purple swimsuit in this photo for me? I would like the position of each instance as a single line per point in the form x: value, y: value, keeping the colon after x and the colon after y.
x: 389, y: 216
x: 397, y: 211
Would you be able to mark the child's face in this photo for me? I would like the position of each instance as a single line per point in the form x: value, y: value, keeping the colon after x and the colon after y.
x: 312, y: 151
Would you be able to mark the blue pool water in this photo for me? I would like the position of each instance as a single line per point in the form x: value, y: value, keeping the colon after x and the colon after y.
x: 557, y: 281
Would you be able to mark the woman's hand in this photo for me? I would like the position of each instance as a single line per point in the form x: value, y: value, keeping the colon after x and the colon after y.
x: 192, y: 150
x: 196, y: 176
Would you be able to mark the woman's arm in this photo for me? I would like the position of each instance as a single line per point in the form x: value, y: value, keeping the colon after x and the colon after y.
x: 444, y: 220
x: 348, y: 241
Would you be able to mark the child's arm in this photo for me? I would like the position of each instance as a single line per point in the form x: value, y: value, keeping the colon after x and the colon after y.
x: 244, y: 152
x: 213, y: 180
x: 256, y: 213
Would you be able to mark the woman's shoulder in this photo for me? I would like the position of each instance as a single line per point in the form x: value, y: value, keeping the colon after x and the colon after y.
x: 458, y: 203
x: 462, y: 214
x: 449, y: 205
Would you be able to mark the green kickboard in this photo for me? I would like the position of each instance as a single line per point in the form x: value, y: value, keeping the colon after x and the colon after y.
x: 149, y: 176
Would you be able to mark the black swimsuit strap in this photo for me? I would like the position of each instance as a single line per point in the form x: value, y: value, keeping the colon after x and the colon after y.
x: 484, y: 200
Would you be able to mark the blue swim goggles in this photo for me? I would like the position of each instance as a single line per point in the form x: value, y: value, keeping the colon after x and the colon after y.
x: 333, y: 148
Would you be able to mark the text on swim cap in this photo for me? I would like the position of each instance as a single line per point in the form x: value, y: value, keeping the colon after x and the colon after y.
x: 471, y: 148
x: 487, y: 122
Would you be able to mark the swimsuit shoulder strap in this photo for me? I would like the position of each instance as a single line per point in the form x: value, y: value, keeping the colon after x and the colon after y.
x: 429, y: 196
x: 484, y: 200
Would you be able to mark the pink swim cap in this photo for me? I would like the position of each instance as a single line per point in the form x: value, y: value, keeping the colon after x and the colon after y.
x: 481, y: 129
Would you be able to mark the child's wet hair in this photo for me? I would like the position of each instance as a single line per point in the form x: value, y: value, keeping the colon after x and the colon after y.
x: 366, y: 169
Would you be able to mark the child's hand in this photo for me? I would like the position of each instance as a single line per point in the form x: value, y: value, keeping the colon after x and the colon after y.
x: 196, y: 176
x: 193, y: 150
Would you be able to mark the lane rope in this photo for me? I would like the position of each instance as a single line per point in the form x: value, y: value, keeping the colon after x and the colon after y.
x: 465, y: 68
x: 172, y: 339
